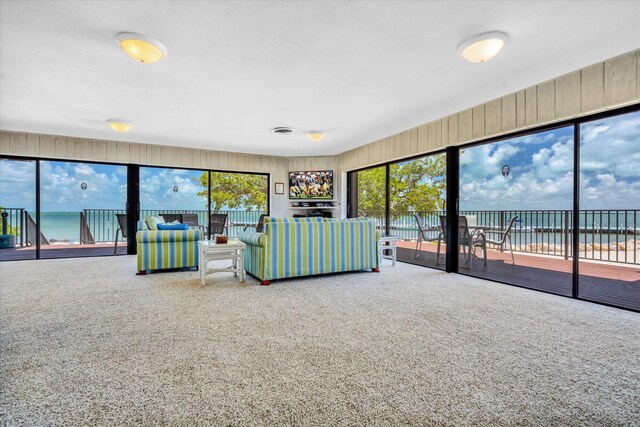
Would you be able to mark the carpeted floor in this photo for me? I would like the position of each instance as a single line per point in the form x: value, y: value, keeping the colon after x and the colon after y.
x: 85, y: 342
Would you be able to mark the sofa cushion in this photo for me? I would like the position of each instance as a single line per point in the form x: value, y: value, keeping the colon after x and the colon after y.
x: 153, y: 221
x: 173, y: 226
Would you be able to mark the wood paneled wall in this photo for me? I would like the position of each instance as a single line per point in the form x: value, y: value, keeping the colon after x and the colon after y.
x: 69, y: 148
x: 602, y: 86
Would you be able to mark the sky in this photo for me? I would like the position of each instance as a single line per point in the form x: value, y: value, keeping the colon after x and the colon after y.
x: 541, y: 169
x: 541, y: 175
x: 61, y: 187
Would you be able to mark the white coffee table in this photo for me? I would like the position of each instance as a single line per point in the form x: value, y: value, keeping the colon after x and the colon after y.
x: 209, y: 250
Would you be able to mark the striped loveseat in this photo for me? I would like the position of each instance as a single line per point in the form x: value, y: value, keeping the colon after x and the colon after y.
x: 292, y: 247
x: 163, y: 249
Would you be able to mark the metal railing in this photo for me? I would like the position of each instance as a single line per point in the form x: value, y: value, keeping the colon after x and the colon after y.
x: 15, y: 223
x: 100, y: 225
x: 606, y: 235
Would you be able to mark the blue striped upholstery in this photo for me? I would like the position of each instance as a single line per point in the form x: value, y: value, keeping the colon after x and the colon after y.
x: 309, y: 246
x: 163, y: 249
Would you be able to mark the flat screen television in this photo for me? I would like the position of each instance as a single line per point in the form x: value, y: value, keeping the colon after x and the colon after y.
x: 311, y: 185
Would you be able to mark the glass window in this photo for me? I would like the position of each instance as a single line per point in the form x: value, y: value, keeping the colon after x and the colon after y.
x: 18, y: 206
x: 371, y: 195
x: 79, y: 208
x: 516, y: 201
x: 417, y: 196
x: 609, y: 218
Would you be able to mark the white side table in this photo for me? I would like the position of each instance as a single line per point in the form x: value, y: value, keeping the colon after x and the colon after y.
x: 209, y: 250
x: 387, y: 248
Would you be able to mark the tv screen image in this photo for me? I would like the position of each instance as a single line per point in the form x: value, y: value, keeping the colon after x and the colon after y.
x: 311, y: 185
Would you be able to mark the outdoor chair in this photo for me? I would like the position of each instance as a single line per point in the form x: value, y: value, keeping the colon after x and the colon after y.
x: 171, y: 217
x: 217, y: 224
x: 503, y: 237
x: 443, y: 235
x: 259, y: 226
x: 122, y: 229
x: 423, y: 236
x: 193, y: 221
x: 470, y: 240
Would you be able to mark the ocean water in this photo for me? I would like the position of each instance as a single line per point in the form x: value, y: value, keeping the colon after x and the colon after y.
x: 60, y: 226
x: 65, y: 226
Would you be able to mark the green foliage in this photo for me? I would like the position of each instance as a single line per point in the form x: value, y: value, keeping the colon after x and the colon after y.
x: 234, y: 190
x: 415, y: 185
x: 371, y: 189
x: 10, y: 229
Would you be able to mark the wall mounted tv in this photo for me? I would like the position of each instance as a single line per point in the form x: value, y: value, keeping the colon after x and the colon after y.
x: 311, y: 185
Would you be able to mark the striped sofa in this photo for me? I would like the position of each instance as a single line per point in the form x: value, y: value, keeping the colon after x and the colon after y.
x: 164, y: 249
x: 293, y: 247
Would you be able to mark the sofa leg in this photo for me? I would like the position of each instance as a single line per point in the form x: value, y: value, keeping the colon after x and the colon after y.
x: 375, y: 270
x: 141, y: 273
x: 266, y: 282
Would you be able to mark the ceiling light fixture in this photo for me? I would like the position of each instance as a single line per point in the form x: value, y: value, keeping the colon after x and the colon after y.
x: 315, y: 135
x: 119, y: 125
x: 141, y: 48
x: 482, y: 47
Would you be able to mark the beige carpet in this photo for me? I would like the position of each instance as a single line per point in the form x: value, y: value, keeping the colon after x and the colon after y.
x: 85, y: 342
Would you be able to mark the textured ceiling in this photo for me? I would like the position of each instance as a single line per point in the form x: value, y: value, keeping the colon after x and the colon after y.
x: 358, y: 70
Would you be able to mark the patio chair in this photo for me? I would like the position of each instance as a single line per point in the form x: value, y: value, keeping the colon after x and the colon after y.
x: 193, y: 221
x: 443, y: 235
x: 259, y: 226
x: 170, y: 217
x: 423, y: 236
x: 217, y: 224
x: 504, y: 236
x: 122, y: 229
x: 471, y: 240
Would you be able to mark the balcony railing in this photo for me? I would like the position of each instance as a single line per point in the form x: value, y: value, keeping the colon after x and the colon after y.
x: 605, y: 235
x: 101, y: 224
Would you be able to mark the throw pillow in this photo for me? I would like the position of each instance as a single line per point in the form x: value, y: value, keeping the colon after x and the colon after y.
x: 173, y: 226
x: 153, y: 221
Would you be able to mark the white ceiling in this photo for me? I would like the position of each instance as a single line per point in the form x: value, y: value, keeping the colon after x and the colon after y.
x: 234, y: 70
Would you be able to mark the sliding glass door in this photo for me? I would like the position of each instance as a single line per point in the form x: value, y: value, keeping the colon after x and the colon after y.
x: 406, y: 200
x: 172, y: 193
x: 417, y: 195
x: 79, y: 208
x: 516, y: 202
x: 243, y: 197
x: 609, y: 220
x: 18, y: 209
x: 371, y: 196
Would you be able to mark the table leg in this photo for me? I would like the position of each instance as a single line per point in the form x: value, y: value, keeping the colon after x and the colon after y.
x: 203, y: 267
x: 393, y: 254
x: 241, y: 265
x: 235, y: 264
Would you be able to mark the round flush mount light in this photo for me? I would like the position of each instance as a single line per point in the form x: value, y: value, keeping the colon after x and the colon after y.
x: 282, y: 130
x: 483, y: 47
x: 141, y: 48
x: 315, y: 135
x: 119, y: 125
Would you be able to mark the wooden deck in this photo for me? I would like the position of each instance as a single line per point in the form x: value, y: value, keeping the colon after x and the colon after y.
x: 609, y: 283
x: 62, y: 251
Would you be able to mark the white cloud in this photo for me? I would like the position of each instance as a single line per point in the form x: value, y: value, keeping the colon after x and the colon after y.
x: 542, y: 169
